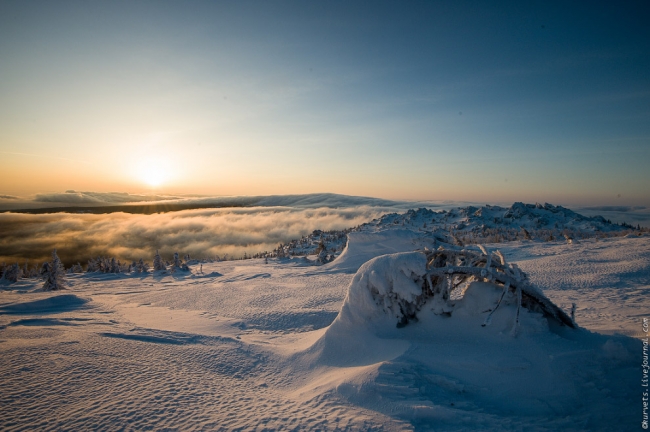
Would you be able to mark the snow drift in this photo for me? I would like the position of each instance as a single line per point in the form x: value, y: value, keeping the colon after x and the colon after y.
x: 444, y: 367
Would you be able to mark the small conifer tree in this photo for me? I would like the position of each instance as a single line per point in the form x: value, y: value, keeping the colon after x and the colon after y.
x: 114, y: 266
x: 12, y: 273
x: 54, y: 274
x: 158, y: 263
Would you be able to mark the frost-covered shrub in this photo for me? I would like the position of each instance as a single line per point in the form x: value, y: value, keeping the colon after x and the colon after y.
x: 400, y: 286
x: 324, y: 256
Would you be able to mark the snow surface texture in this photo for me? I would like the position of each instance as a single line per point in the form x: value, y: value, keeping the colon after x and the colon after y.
x: 287, y: 346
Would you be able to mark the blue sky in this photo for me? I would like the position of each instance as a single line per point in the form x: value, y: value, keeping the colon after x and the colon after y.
x: 525, y: 101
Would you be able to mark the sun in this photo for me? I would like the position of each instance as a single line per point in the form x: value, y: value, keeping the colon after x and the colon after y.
x: 153, y: 172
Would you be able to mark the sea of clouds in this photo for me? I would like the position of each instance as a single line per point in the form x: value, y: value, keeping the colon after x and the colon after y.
x: 238, y: 225
x: 200, y: 233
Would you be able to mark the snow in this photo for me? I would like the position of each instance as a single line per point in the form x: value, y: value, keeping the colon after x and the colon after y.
x: 379, y: 288
x: 288, y: 346
x: 363, y: 246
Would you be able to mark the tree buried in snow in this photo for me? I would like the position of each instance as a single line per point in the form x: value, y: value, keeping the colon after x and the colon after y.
x: 402, y: 285
x: 449, y: 270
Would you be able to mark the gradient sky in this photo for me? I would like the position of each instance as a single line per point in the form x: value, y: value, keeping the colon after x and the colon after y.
x: 526, y: 101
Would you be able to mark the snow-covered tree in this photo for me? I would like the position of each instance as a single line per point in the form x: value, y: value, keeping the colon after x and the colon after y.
x: 76, y: 268
x: 30, y: 271
x: 93, y: 265
x: 114, y: 266
x: 178, y: 264
x: 142, y: 267
x: 12, y: 273
x: 54, y: 274
x: 158, y: 263
x: 323, y: 256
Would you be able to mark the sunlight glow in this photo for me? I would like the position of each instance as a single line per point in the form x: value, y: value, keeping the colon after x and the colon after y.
x: 153, y: 172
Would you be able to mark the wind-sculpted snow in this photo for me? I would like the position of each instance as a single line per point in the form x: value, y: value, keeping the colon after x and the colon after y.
x: 608, y: 279
x: 383, y: 286
x: 450, y: 372
x: 49, y: 304
x: 363, y: 246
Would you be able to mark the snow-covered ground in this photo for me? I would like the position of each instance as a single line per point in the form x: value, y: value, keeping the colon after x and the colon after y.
x: 286, y: 345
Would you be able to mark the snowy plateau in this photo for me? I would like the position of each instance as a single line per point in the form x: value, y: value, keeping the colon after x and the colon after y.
x: 435, y: 321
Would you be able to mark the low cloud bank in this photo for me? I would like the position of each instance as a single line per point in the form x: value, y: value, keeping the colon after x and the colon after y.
x: 621, y: 209
x: 74, y: 197
x: 201, y: 233
x: 316, y: 200
x: 109, y: 202
x: 634, y: 215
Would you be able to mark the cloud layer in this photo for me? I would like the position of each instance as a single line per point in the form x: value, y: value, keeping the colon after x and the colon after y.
x: 201, y: 233
x: 87, y: 198
x: 249, y: 224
